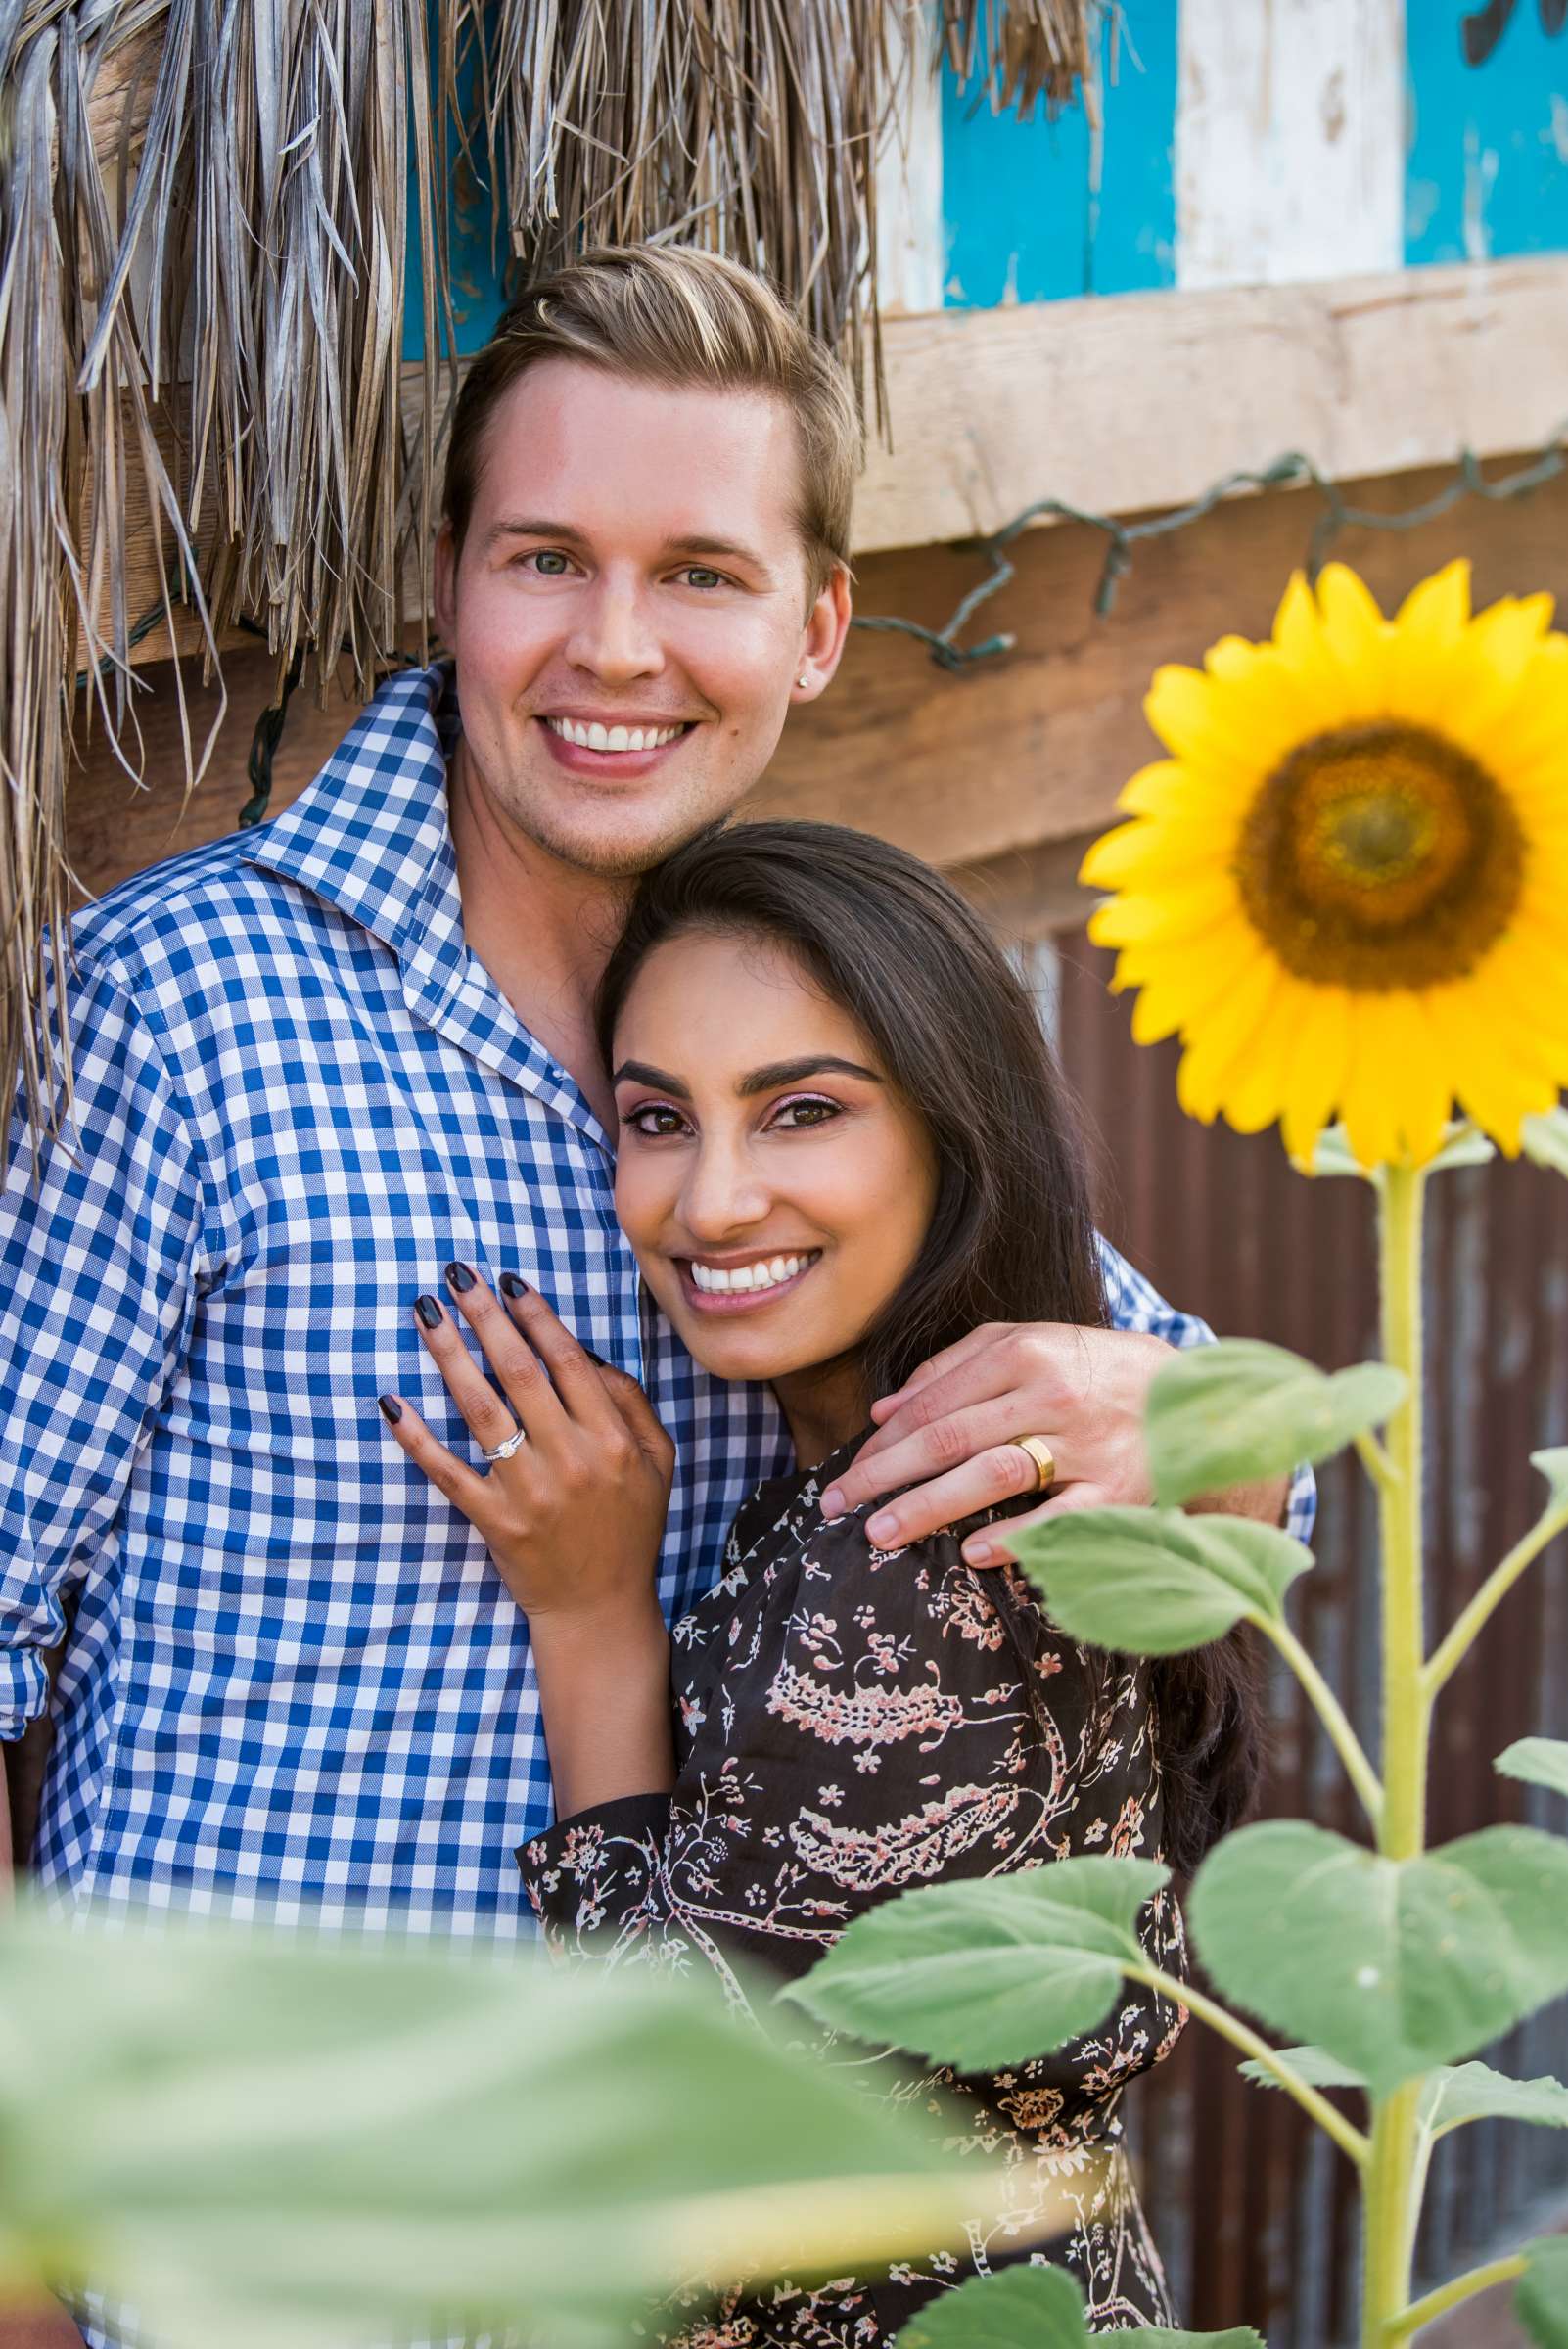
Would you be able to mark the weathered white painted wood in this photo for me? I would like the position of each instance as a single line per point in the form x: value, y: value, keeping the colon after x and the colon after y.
x: 1290, y: 140
x: 1133, y: 400
x: 911, y: 240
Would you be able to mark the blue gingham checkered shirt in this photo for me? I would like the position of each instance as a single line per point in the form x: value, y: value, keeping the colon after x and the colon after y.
x: 290, y: 1676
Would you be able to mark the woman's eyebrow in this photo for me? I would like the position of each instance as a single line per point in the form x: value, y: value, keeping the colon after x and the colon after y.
x: 791, y: 1071
x: 641, y: 1072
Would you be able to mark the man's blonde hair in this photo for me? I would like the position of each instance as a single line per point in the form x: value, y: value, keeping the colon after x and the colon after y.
x: 672, y: 314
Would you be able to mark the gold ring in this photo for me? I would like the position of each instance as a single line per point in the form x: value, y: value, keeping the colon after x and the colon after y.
x: 1042, y: 1457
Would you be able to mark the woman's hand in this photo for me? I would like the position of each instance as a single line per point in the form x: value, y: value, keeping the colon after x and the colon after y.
x: 575, y: 1517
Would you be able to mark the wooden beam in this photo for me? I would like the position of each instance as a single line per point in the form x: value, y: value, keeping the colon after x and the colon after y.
x: 1123, y: 402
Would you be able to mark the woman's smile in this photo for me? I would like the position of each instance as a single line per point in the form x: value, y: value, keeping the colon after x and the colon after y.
x: 744, y: 1285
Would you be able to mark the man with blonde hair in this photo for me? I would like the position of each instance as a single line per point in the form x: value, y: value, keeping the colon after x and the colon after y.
x: 321, y: 1067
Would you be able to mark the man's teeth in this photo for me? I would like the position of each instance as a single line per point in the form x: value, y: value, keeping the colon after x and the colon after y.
x: 765, y: 1273
x: 613, y: 738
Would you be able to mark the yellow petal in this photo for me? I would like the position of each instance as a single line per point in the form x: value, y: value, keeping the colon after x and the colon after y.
x: 1352, y: 625
x: 1184, y: 910
x: 1179, y: 986
x: 1534, y: 732
x: 1314, y: 1069
x: 1299, y: 632
x: 1233, y: 728
x: 1367, y: 1104
x: 1151, y: 853
x: 1437, y: 609
x: 1496, y: 1088
x: 1502, y: 1000
x: 1112, y: 855
x: 1425, y: 643
x: 1416, y: 1074
x: 1223, y: 1039
x: 1255, y: 1087
x: 1491, y: 668
x: 1165, y: 786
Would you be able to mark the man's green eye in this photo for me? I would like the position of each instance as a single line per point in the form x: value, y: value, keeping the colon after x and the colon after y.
x: 700, y: 578
x: 549, y: 556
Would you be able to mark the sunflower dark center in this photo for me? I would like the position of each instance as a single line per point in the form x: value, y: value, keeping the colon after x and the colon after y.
x: 1380, y: 856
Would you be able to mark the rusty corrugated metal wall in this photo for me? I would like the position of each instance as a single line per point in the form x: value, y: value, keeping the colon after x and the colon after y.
x: 1253, y: 2210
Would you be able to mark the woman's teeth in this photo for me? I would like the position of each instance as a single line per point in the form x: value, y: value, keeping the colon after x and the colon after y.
x: 613, y: 738
x: 765, y: 1273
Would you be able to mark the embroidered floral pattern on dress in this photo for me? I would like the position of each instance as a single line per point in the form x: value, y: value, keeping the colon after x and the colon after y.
x: 864, y: 1716
x: 849, y: 1722
x: 912, y: 1851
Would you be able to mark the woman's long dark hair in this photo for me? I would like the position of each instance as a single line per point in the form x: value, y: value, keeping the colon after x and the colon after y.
x: 1012, y: 1234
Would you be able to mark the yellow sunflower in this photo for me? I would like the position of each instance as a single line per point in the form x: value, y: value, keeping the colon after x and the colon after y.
x: 1347, y: 886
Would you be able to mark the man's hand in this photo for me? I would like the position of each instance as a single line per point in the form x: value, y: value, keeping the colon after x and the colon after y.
x: 950, y: 1435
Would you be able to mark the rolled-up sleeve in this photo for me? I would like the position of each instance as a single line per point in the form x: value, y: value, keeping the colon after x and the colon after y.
x: 1136, y: 1304
x: 100, y: 1229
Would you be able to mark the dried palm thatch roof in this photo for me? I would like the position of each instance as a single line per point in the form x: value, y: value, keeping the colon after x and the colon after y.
x: 205, y: 212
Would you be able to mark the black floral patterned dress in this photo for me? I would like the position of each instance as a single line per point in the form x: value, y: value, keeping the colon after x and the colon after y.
x: 849, y: 1722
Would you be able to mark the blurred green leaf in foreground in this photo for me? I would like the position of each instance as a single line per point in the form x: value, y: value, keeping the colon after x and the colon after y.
x: 262, y: 2137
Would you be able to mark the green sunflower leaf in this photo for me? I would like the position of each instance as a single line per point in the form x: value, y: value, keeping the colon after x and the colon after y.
x: 1545, y: 1140
x: 1154, y: 1582
x: 1474, y: 2092
x: 1035, y: 2308
x: 1391, y: 1966
x: 1454, y: 2094
x: 1540, y: 2301
x: 990, y: 1971
x: 277, y: 2140
x: 1466, y: 1145
x: 1219, y: 1416
x: 1022, y: 2308
x: 1315, y: 2065
x: 1539, y: 1761
x: 1239, y: 2336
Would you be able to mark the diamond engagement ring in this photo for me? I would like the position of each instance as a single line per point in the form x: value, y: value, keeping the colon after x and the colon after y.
x: 503, y: 1451
x: 1041, y: 1456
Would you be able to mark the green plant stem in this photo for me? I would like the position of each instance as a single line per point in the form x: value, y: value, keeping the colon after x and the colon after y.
x: 1362, y: 1777
x: 1452, y: 1652
x: 1374, y: 1460
x: 1350, y: 2139
x: 1389, y: 2176
x: 1454, y: 2295
x: 1404, y: 1707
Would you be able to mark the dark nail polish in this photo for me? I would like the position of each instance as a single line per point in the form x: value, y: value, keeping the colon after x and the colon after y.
x: 513, y: 1284
x: 428, y: 1311
x: 460, y: 1278
x: 391, y: 1409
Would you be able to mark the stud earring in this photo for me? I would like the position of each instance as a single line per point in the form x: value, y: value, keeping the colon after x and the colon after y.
x: 803, y: 682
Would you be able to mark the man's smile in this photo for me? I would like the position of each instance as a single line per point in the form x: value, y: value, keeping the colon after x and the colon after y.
x: 611, y: 746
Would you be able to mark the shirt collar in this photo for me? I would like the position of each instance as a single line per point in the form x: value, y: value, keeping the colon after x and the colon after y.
x: 370, y: 834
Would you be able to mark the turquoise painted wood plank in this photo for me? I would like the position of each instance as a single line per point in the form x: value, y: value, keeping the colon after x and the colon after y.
x: 1035, y: 211
x: 477, y: 260
x: 1488, y: 156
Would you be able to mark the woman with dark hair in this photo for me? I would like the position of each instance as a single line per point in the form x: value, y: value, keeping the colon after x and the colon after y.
x: 845, y: 1144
